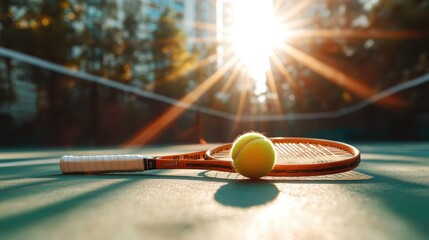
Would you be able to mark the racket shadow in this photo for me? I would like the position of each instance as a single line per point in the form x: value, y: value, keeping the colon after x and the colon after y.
x: 228, y: 177
x: 345, y: 177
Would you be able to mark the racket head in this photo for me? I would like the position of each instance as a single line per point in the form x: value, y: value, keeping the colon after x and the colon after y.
x: 302, y: 156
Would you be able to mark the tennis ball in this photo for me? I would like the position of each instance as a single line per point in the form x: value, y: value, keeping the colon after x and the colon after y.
x: 253, y: 155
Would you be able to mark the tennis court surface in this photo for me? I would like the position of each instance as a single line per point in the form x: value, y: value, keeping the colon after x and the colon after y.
x: 386, y: 197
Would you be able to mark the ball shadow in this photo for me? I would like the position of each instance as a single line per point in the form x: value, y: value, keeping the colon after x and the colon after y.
x: 245, y: 194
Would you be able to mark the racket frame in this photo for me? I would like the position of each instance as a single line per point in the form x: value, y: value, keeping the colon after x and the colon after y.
x: 206, y: 160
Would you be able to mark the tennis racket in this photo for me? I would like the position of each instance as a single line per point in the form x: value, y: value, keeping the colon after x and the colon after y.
x: 294, y: 157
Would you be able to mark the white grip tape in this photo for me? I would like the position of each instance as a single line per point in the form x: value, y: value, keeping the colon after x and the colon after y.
x: 102, y: 163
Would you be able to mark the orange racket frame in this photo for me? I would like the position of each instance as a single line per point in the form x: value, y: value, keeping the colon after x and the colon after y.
x: 218, y: 159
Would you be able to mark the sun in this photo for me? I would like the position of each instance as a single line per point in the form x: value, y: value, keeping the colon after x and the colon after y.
x: 254, y: 34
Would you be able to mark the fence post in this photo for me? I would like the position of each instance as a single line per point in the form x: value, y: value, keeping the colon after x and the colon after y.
x: 93, y: 114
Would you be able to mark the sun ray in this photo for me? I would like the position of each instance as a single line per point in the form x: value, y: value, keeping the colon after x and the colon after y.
x: 338, y: 77
x: 233, y: 77
x: 152, y: 130
x: 350, y: 33
x: 285, y: 73
x: 207, y: 60
x: 277, y: 6
x: 298, y: 8
x: 273, y: 89
x: 298, y: 23
x: 272, y: 86
x: 243, y: 95
x: 241, y: 104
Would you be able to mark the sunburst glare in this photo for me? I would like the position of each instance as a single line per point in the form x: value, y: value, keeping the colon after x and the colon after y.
x: 254, y: 34
x: 271, y: 54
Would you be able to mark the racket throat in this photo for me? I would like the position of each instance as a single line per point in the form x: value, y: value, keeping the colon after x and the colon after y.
x: 149, y: 163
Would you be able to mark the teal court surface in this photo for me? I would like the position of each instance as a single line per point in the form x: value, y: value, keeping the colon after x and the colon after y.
x: 386, y: 197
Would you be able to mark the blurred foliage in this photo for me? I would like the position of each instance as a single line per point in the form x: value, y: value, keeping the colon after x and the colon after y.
x: 172, y: 61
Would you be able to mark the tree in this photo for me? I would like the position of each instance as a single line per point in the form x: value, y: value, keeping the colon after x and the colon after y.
x: 170, y: 56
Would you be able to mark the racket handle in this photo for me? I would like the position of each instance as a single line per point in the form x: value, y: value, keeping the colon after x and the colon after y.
x: 103, y: 163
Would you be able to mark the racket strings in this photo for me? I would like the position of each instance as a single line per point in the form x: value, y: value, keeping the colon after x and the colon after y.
x: 309, y: 153
x: 293, y: 153
x: 288, y: 153
x: 324, y: 154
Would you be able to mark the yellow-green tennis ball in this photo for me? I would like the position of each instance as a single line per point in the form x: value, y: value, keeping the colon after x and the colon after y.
x: 253, y: 155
